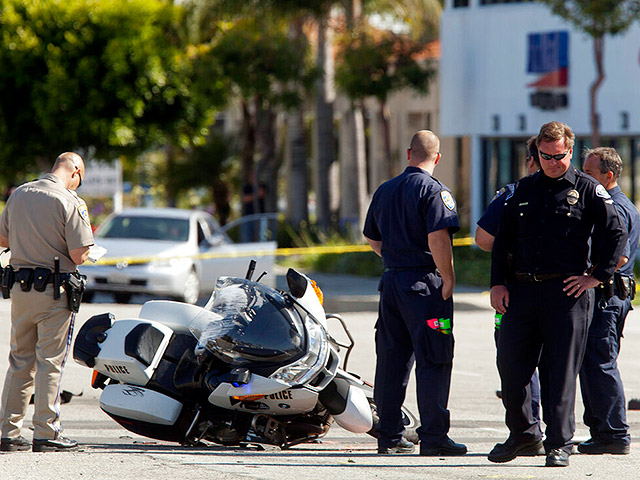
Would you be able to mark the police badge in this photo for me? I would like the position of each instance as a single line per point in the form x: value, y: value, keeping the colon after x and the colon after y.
x: 572, y: 197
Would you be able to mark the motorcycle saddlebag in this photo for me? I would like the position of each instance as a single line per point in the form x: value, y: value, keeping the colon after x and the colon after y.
x: 138, y: 403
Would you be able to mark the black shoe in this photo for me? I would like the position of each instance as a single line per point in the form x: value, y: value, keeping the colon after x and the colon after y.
x: 507, y: 451
x: 634, y: 404
x: 14, y: 444
x: 448, y: 448
x: 60, y: 444
x: 403, y: 446
x: 557, y: 458
x: 595, y: 447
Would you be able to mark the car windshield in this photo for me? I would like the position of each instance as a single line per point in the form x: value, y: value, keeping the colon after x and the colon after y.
x: 246, y: 322
x: 145, y: 228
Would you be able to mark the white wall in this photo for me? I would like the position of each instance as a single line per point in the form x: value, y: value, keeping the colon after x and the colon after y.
x: 483, y: 72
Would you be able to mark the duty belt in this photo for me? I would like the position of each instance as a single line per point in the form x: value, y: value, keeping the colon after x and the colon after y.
x: 538, y: 277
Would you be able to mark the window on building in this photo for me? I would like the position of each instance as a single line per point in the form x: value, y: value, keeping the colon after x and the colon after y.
x: 493, y: 2
x: 460, y: 3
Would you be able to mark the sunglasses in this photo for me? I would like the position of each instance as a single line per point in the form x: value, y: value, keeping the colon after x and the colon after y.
x: 559, y: 156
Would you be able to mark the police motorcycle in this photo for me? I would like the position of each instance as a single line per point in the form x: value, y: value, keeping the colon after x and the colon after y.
x: 254, y: 365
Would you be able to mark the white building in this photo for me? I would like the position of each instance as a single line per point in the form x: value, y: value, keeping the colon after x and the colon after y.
x: 507, y: 67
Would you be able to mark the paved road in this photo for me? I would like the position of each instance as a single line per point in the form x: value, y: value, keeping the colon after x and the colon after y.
x: 108, y: 451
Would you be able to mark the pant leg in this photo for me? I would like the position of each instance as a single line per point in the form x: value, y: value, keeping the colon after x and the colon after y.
x: 53, y: 323
x: 394, y: 359
x: 19, y: 380
x: 534, y: 386
x: 519, y: 347
x: 600, y: 380
x: 422, y: 300
x: 565, y: 322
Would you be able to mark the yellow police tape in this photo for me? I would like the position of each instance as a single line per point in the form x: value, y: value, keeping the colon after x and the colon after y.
x: 278, y: 252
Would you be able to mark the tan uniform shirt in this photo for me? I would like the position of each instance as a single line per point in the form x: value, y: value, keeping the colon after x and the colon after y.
x: 43, y: 219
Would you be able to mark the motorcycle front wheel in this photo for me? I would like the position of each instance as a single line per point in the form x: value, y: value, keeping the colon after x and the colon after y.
x: 410, y: 421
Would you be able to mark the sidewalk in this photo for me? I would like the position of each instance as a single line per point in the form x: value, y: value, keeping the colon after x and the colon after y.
x: 351, y: 293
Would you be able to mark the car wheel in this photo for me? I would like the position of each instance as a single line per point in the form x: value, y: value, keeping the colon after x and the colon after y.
x: 122, y: 297
x: 191, y: 291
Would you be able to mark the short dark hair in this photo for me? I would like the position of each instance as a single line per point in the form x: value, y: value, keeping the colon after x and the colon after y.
x: 610, y: 161
x: 532, y: 150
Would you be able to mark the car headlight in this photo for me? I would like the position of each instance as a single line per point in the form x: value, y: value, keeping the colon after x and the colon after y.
x: 304, y: 369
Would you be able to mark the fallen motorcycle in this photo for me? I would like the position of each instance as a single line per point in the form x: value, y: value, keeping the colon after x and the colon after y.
x: 255, y: 364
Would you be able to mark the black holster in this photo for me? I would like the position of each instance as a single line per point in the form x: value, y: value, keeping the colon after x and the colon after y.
x: 75, y: 286
x: 626, y: 287
x: 7, y: 281
x: 607, y: 289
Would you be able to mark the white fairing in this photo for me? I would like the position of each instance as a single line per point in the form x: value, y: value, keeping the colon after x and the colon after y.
x: 139, y: 403
x: 357, y: 417
x: 176, y: 315
x: 113, y: 362
x: 311, y: 302
x: 283, y: 402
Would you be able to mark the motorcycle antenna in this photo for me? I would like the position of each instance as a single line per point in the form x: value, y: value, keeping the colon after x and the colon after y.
x: 251, y: 269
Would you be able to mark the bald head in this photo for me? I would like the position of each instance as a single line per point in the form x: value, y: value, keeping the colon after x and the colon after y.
x: 69, y: 167
x: 424, y: 150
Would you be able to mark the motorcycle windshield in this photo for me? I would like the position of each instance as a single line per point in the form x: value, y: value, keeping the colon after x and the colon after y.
x: 246, y: 322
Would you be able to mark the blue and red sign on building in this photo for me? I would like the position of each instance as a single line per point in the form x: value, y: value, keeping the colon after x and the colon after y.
x: 548, y: 58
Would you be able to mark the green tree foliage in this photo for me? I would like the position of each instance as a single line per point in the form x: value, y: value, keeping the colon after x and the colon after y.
x: 597, y: 18
x: 111, y: 75
x: 375, y: 64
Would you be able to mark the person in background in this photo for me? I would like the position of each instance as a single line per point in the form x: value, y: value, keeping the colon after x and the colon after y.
x: 47, y: 227
x: 600, y: 381
x: 410, y: 224
x: 485, y: 236
x: 543, y: 271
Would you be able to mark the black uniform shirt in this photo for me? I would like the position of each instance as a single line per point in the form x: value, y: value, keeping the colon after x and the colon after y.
x: 548, y: 225
x: 403, y: 211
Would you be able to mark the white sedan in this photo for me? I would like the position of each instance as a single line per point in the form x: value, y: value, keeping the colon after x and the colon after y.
x: 171, y: 252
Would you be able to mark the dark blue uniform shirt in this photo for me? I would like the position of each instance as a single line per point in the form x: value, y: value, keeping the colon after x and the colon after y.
x: 490, y: 220
x: 403, y: 211
x: 548, y: 225
x: 630, y: 218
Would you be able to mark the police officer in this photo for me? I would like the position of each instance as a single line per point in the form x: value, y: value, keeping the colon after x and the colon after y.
x: 43, y: 220
x: 547, y: 227
x: 485, y: 236
x: 410, y: 223
x: 600, y: 381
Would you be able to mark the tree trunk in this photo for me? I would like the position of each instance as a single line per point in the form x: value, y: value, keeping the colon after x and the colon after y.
x: 249, y: 144
x: 598, y: 55
x: 386, y: 137
x: 266, y: 173
x: 297, y: 211
x: 325, y: 140
x: 353, y: 179
x: 171, y: 193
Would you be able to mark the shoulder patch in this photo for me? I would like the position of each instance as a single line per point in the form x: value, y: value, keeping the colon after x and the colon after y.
x: 499, y: 193
x: 602, y: 192
x: 448, y: 200
x: 84, y: 213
